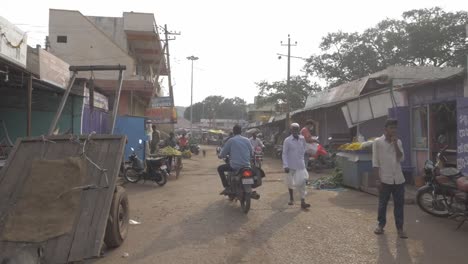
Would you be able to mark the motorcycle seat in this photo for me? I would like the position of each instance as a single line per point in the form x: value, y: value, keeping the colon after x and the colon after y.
x: 156, y: 159
x: 442, y: 179
x: 462, y: 184
x: 449, y: 172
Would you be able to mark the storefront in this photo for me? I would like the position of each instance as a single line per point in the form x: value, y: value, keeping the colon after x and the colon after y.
x: 433, y: 112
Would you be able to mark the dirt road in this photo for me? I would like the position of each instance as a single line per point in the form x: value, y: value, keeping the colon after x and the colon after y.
x: 186, y: 221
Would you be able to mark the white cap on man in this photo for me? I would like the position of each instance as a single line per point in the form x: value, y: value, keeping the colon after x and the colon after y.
x: 295, y: 125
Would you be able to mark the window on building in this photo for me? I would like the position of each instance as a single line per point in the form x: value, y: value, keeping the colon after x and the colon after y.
x: 420, y: 129
x: 62, y: 39
x: 444, y: 122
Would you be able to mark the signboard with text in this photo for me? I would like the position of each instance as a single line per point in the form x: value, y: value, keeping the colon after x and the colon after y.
x: 162, y: 115
x: 161, y: 102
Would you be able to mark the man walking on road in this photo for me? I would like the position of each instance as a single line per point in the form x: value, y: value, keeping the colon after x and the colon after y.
x: 387, y: 154
x: 293, y: 164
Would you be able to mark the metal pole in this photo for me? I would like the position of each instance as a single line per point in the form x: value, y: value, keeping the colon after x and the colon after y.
x: 29, y: 113
x: 62, y: 104
x: 288, y: 105
x: 171, y: 93
x: 192, y: 58
x: 116, y: 102
x: 191, y: 100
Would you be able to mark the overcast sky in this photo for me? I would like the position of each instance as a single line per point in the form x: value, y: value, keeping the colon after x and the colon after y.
x: 236, y: 41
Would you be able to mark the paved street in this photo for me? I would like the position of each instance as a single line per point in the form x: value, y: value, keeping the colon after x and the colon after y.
x: 186, y: 221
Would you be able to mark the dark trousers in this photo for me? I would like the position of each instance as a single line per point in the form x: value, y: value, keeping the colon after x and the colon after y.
x: 398, y: 193
x: 222, y: 174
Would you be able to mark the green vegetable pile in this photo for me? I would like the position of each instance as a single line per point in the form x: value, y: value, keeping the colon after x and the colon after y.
x: 330, y: 182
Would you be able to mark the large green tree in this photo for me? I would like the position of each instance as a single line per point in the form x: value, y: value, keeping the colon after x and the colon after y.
x: 278, y: 93
x: 218, y: 107
x: 421, y: 37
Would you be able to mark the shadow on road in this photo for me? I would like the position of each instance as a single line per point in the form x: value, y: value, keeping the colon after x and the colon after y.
x: 385, y: 255
x: 261, y: 235
x: 217, y: 219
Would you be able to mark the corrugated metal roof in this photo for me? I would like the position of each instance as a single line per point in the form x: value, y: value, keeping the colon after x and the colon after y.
x: 351, y: 90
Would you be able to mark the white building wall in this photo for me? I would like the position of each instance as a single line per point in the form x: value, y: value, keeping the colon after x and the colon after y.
x: 86, y: 44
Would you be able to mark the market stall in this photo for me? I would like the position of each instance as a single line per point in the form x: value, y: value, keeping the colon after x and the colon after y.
x: 355, y: 160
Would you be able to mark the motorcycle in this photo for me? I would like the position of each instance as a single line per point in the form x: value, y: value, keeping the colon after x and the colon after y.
x: 195, y: 149
x: 154, y: 169
x: 322, y: 159
x: 445, y: 193
x: 258, y: 157
x: 241, y: 183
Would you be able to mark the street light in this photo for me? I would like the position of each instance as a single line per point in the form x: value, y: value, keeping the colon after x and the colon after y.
x: 192, y: 58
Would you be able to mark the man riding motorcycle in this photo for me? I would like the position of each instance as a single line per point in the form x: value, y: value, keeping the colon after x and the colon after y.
x: 256, y: 142
x: 240, y: 153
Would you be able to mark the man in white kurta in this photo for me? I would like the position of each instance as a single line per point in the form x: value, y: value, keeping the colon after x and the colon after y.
x: 294, y: 148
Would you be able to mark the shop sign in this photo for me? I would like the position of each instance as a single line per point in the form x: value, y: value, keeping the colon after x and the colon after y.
x: 162, y: 115
x: 161, y: 102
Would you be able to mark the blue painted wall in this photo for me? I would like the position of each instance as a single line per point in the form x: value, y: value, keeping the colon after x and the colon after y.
x: 134, y: 128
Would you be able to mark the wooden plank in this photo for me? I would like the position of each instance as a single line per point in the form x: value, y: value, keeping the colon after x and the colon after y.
x: 94, y: 230
x: 80, y: 239
x: 11, y: 186
x: 96, y: 221
x: 107, y: 197
x: 88, y: 231
x: 56, y: 249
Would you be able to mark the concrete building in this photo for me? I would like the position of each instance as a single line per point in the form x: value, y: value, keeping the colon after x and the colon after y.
x: 131, y: 40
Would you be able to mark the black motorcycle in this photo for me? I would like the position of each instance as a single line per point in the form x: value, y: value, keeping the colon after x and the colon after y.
x: 241, y: 183
x: 445, y: 193
x: 154, y: 169
x: 195, y: 148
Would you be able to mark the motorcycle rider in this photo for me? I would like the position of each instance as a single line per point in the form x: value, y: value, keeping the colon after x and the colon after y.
x: 256, y: 142
x: 240, y: 153
x: 183, y: 142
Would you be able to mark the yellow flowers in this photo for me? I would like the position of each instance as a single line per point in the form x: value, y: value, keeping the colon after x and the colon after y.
x: 354, y: 146
x: 169, y: 151
x: 187, y: 154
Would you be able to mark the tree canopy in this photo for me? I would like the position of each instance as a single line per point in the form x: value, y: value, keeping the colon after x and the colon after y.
x: 218, y: 107
x: 421, y: 37
x: 278, y: 93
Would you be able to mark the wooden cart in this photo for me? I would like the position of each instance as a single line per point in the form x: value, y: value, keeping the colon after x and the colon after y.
x: 103, y: 206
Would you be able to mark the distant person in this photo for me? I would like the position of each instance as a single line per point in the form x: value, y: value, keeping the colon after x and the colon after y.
x: 155, y: 138
x: 171, y: 141
x: 294, y: 148
x: 306, y: 132
x: 183, y: 142
x: 256, y: 142
x: 387, y: 155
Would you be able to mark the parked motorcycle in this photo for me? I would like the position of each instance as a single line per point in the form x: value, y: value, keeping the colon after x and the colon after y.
x: 445, y: 193
x: 322, y: 159
x: 154, y: 169
x: 195, y: 149
x: 241, y: 183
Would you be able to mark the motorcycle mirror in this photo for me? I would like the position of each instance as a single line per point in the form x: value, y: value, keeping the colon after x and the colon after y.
x: 140, y: 141
x: 132, y: 149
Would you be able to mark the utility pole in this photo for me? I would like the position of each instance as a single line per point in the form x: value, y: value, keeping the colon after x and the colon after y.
x: 166, y: 34
x: 288, y: 97
x: 191, y: 58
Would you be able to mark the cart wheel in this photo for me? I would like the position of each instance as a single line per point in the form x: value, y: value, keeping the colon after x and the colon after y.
x: 117, y: 223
